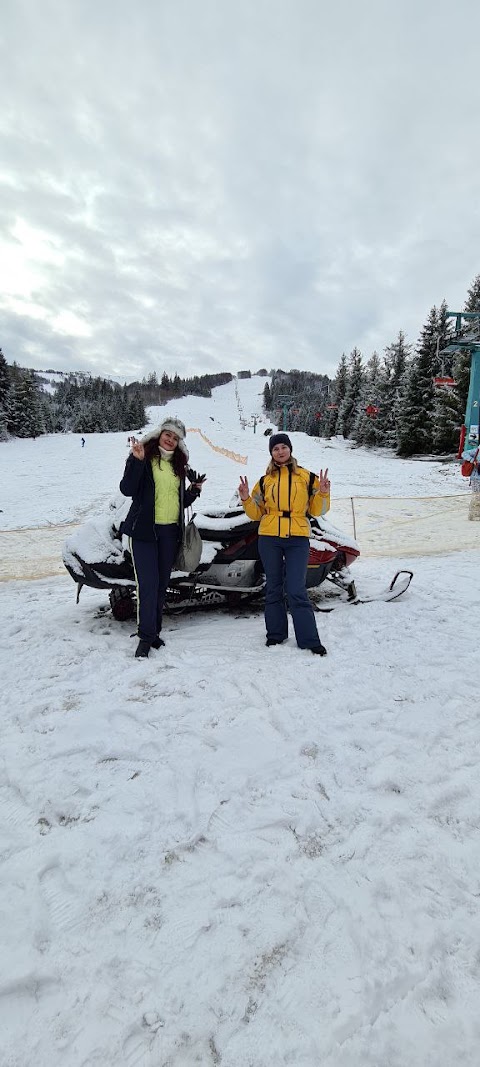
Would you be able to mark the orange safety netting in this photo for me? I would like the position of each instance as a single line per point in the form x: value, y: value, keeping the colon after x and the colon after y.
x: 217, y: 448
x: 407, y: 526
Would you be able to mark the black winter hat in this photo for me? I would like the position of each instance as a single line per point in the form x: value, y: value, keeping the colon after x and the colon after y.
x: 279, y: 439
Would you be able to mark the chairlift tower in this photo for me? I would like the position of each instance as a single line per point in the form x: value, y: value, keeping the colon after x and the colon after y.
x: 470, y: 431
x: 286, y: 402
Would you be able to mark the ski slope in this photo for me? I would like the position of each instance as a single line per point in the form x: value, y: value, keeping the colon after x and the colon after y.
x: 227, y: 854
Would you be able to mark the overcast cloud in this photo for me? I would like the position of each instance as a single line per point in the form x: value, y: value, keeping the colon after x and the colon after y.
x: 206, y: 185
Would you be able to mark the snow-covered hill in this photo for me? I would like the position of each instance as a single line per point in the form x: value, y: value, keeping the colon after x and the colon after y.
x: 49, y: 380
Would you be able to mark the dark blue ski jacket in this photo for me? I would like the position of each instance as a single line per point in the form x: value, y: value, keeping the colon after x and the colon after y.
x: 138, y: 483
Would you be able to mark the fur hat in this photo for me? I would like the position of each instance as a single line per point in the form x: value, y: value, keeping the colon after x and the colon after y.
x: 279, y: 439
x: 175, y: 426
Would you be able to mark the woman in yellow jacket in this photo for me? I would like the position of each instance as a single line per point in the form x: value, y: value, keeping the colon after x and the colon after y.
x: 282, y: 501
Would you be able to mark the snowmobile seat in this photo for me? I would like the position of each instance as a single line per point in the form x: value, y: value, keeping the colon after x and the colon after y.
x: 224, y: 526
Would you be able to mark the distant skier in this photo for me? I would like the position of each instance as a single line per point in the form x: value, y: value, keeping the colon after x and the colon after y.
x: 83, y: 442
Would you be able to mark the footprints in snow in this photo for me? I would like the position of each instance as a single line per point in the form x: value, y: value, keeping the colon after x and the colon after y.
x: 63, y: 819
x: 61, y: 900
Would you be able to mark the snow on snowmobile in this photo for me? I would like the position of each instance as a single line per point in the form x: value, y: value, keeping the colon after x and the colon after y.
x: 230, y: 572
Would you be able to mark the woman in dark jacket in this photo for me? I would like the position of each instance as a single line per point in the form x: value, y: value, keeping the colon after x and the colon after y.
x: 155, y: 477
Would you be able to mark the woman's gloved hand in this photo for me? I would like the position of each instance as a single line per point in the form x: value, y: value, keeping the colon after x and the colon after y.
x: 196, y: 480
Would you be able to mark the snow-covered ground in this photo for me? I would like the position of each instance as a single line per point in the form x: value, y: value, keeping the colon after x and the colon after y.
x: 54, y: 480
x: 227, y: 854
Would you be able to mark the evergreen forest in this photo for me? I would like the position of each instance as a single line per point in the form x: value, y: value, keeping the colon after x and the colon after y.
x: 78, y: 403
x: 411, y: 398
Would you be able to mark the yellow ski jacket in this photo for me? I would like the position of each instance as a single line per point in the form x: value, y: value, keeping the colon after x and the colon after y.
x: 283, y: 505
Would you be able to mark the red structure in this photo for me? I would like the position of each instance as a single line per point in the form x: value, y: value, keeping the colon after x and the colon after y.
x: 448, y: 383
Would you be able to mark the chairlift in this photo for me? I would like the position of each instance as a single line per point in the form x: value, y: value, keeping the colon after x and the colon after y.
x: 444, y: 382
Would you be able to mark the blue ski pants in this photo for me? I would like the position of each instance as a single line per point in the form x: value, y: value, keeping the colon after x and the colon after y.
x: 285, y: 564
x: 153, y: 562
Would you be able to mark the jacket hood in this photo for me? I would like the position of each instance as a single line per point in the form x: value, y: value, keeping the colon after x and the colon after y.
x: 173, y: 424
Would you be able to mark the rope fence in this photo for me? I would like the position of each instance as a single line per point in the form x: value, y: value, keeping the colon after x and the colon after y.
x: 409, y: 526
x: 383, y: 526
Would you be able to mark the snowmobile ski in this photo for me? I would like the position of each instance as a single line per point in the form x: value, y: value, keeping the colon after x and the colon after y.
x: 398, y: 586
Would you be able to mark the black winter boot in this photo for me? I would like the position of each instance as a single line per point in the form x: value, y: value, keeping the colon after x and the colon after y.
x: 143, y: 648
x: 273, y: 641
x: 158, y: 642
x: 319, y: 650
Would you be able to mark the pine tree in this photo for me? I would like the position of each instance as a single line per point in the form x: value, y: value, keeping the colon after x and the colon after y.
x: 136, y: 411
x: 336, y: 396
x: 415, y: 419
x: 365, y: 426
x: 391, y: 374
x: 4, y: 380
x: 427, y: 364
x: 316, y: 409
x: 348, y: 407
x: 4, y: 397
x: 446, y: 421
x: 446, y: 405
x: 3, y: 425
x: 412, y: 433
x: 48, y: 413
x: 25, y: 418
x: 472, y: 302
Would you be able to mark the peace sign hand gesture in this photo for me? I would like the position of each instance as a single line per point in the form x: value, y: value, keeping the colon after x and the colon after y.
x: 243, y: 490
x: 137, y: 448
x: 324, y: 481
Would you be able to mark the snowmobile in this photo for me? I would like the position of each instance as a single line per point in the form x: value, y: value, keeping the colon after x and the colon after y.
x: 230, y: 571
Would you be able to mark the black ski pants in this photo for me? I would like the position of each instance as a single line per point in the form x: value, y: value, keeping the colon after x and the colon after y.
x: 153, y: 562
x: 285, y: 562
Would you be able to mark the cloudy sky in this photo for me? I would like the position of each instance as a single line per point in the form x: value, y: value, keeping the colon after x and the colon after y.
x: 206, y: 185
